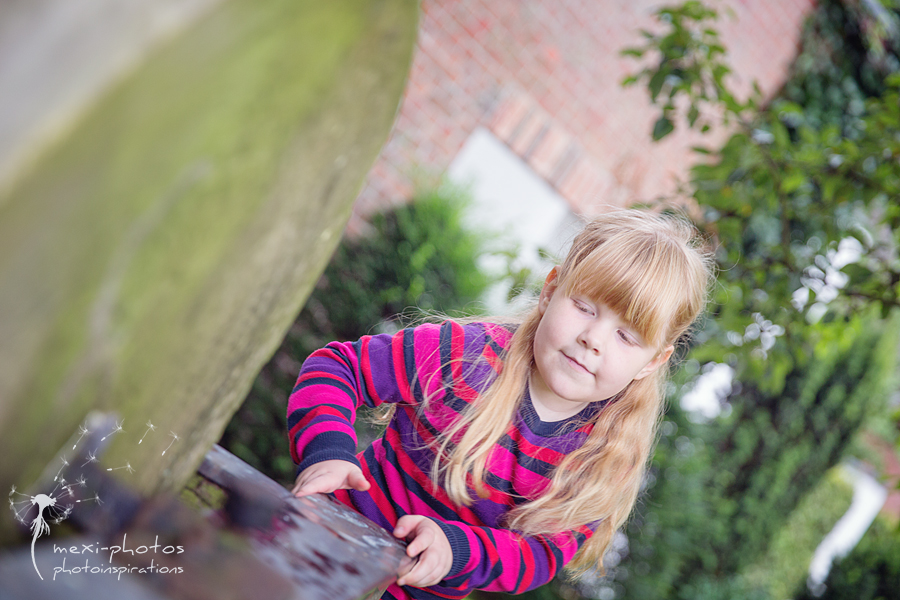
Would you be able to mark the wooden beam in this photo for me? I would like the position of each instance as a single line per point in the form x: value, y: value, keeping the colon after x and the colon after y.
x: 251, y: 539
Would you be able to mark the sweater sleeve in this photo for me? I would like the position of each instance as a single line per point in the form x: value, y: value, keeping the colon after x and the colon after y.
x: 502, y: 560
x: 335, y: 380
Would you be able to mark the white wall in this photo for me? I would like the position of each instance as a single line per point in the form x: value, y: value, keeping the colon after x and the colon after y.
x: 514, y: 204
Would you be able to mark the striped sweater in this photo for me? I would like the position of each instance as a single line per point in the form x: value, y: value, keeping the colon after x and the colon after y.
x: 447, y: 364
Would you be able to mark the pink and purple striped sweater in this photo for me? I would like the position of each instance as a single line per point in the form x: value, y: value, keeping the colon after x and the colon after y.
x: 448, y: 364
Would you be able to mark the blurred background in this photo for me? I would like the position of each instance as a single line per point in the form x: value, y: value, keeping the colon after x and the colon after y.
x: 173, y: 181
x: 779, y: 449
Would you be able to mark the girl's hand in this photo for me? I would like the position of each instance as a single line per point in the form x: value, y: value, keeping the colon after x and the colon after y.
x: 329, y: 475
x: 428, y: 542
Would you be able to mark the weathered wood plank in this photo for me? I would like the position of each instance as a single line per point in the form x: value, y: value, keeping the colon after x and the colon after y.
x: 253, y: 539
x: 323, y: 547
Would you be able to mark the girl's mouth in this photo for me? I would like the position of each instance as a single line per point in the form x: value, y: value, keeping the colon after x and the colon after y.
x: 577, y: 365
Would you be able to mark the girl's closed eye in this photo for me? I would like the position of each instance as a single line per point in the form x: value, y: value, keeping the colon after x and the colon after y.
x: 628, y: 338
x: 583, y: 306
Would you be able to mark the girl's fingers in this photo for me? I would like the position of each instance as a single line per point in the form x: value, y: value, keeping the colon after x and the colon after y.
x: 424, y: 539
x: 358, y: 481
x: 298, y: 486
x: 301, y: 489
x: 330, y: 475
x: 424, y: 574
x: 305, y: 490
x: 428, y: 545
x: 412, y: 525
x: 414, y: 577
x: 405, y: 525
x: 314, y: 485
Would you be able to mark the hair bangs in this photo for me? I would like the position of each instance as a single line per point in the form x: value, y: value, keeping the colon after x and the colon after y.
x: 634, y: 275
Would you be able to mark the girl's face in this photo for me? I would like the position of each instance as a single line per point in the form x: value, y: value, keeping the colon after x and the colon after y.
x: 585, y: 352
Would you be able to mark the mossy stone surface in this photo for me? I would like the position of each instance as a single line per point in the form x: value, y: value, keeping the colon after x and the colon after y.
x: 152, y: 261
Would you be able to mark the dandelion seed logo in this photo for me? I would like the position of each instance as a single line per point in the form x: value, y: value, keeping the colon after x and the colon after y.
x: 150, y: 427
x: 174, y: 439
x: 82, y: 431
x: 54, y: 507
x: 91, y: 458
x: 115, y: 430
x: 127, y: 467
x: 38, y: 511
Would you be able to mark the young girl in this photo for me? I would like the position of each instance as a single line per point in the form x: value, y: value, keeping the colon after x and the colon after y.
x: 514, y: 450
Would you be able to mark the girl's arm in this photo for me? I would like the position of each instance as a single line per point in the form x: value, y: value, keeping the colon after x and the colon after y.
x: 501, y: 560
x: 334, y: 381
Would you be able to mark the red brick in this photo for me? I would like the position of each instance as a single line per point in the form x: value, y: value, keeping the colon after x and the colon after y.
x: 508, y: 117
x: 546, y: 157
x: 528, y: 132
x: 580, y: 179
x: 560, y: 57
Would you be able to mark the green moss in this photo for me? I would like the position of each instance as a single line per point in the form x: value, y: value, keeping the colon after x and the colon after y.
x: 220, y: 97
x: 127, y: 255
x: 201, y: 494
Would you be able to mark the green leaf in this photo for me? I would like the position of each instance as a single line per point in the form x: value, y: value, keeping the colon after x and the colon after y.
x: 655, y: 84
x: 829, y: 187
x: 692, y: 115
x: 792, y: 182
x: 782, y: 138
x: 662, y: 128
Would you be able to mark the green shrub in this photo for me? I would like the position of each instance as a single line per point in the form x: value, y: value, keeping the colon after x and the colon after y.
x: 811, y: 168
x: 785, y: 565
x: 720, y: 494
x: 870, y: 572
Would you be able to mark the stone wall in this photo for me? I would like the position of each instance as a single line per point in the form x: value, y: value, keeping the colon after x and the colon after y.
x: 154, y: 252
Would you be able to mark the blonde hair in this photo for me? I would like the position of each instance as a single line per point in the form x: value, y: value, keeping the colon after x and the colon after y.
x: 653, y: 271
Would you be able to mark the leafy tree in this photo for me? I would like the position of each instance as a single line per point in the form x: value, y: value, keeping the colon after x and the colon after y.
x: 783, y: 199
x: 691, y: 67
x: 788, y: 186
x: 787, y: 198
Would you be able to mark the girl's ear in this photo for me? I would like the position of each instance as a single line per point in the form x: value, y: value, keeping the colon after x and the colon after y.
x: 658, y: 361
x: 550, y: 285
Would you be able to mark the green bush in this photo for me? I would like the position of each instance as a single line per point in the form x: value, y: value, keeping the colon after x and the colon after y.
x: 776, y: 446
x: 720, y: 494
x: 815, y: 166
x: 870, y: 572
x: 417, y: 255
x: 786, y: 562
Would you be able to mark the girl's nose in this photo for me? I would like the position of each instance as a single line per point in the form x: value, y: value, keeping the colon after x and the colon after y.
x: 591, y: 339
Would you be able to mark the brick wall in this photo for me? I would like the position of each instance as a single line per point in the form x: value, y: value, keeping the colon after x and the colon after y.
x: 544, y: 76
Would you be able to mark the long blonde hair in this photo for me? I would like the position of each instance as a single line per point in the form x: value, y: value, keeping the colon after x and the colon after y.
x: 653, y: 271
